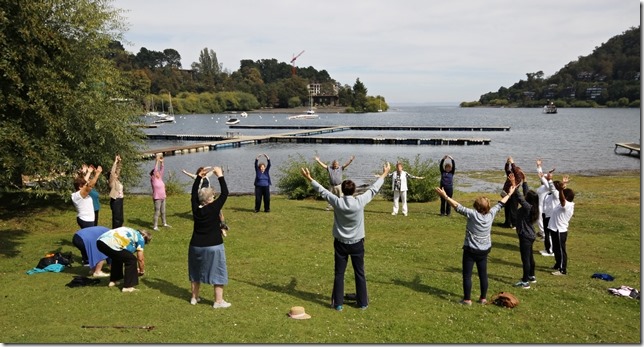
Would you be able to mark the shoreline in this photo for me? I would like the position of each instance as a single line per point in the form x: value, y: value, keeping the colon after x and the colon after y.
x: 301, y: 109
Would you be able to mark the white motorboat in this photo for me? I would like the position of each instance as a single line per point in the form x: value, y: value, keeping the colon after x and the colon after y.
x: 551, y: 108
x: 244, y: 114
x: 232, y: 121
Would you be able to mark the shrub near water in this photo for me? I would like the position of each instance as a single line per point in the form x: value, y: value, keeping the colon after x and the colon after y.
x: 292, y: 183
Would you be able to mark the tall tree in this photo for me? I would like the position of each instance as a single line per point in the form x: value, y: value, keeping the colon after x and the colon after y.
x: 63, y: 103
x: 359, y: 95
x: 207, y: 70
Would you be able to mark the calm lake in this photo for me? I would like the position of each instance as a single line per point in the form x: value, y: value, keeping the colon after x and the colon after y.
x: 575, y: 141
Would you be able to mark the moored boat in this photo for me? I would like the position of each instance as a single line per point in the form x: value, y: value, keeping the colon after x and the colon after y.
x: 550, y: 108
x: 232, y: 121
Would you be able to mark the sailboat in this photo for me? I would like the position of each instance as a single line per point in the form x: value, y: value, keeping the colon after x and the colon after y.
x: 310, y: 113
x: 152, y: 112
x: 379, y: 105
x: 166, y: 118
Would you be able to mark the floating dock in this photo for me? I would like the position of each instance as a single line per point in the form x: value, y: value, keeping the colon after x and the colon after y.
x: 632, y: 147
x: 306, y: 134
x: 380, y: 128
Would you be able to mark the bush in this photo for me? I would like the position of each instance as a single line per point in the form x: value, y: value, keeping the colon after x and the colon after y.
x: 173, y: 186
x: 293, y: 184
x: 418, y: 190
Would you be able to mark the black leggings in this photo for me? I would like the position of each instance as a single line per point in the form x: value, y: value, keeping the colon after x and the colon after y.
x: 78, y: 242
x: 527, y: 258
x: 446, y: 208
x: 469, y: 259
x: 265, y: 193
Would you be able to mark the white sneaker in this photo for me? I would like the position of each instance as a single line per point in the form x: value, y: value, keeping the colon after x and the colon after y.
x: 393, y: 213
x: 404, y: 214
x: 100, y: 274
x: 546, y: 254
x: 167, y: 225
x: 113, y: 284
x: 155, y: 228
x: 129, y: 290
x: 194, y: 301
x: 222, y: 304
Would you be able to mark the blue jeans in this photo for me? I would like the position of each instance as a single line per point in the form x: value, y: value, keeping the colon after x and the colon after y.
x: 469, y: 259
x: 342, y: 253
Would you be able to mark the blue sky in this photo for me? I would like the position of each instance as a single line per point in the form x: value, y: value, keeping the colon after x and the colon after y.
x: 409, y: 51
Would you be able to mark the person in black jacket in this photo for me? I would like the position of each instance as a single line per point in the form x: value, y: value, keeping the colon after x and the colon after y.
x: 206, y: 253
x: 527, y: 215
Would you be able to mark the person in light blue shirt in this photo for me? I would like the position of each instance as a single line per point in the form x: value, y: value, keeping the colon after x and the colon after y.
x: 120, y: 245
x: 478, y: 240
x: 348, y: 232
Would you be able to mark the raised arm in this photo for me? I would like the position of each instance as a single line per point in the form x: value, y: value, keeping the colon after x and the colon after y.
x: 189, y: 174
x: 325, y: 166
x: 348, y: 162
x: 442, y: 194
x: 115, y: 172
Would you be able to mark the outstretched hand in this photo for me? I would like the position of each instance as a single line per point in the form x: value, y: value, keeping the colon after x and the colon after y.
x: 441, y: 192
x: 306, y: 173
x: 217, y: 171
x: 385, y: 169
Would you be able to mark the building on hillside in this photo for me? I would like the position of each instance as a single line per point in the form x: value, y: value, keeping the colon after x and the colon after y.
x: 320, y: 96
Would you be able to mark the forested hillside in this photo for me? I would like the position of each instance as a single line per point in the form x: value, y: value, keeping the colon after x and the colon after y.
x: 610, y: 76
x: 207, y: 87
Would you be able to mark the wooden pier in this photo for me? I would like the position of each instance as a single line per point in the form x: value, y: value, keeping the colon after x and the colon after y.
x: 632, y: 147
x: 380, y: 128
x: 306, y: 134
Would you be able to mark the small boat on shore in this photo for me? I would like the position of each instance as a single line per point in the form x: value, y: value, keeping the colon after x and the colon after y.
x: 244, y: 114
x: 232, y: 121
x: 551, y: 108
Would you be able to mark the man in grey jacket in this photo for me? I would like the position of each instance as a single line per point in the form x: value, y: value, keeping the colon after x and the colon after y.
x: 348, y: 231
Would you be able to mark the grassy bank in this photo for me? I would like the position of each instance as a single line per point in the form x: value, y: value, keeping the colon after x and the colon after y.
x: 285, y: 258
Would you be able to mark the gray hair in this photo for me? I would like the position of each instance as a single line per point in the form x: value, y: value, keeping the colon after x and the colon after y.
x: 206, y: 195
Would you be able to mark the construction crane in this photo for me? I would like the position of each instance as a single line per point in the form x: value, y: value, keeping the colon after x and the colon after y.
x: 293, y: 62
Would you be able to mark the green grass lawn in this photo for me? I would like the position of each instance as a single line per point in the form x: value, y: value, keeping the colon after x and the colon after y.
x: 285, y: 258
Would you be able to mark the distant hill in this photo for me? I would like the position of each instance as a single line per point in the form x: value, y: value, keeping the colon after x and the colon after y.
x: 609, y: 76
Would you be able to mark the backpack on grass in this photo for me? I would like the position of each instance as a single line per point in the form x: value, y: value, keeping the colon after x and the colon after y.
x: 64, y: 259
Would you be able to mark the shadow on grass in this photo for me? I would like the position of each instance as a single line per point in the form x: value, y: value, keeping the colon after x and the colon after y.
x: 139, y: 223
x: 508, y: 234
x: 9, y: 242
x: 416, y: 285
x: 239, y: 209
x: 506, y: 246
x: 169, y: 288
x: 184, y: 215
x: 291, y: 290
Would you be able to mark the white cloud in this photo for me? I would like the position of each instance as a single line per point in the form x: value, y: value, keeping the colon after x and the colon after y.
x: 407, y: 51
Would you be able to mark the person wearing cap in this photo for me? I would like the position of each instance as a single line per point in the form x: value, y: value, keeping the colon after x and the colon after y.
x: 121, y: 245
x: 348, y: 232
